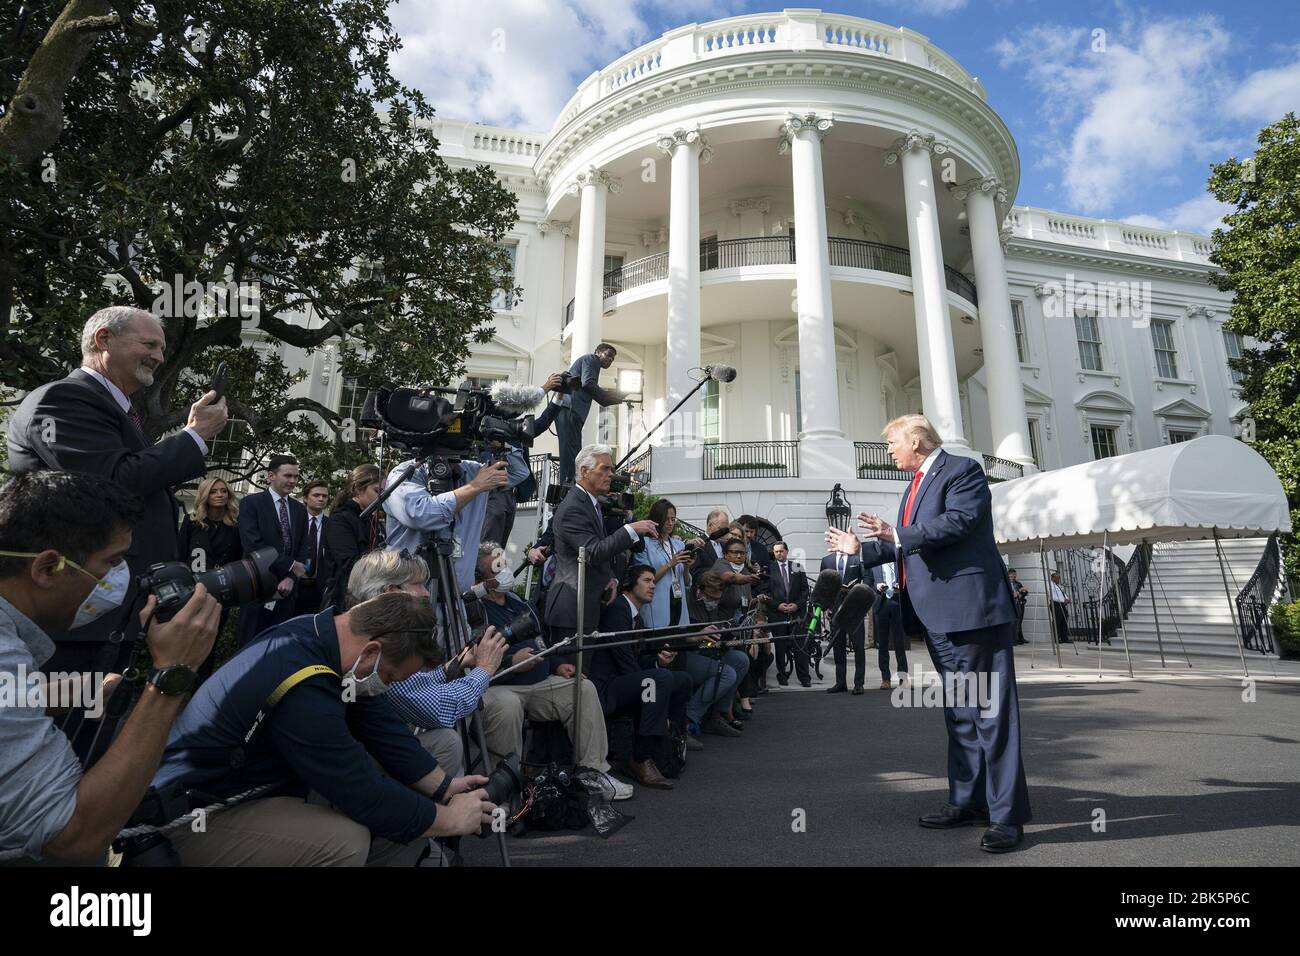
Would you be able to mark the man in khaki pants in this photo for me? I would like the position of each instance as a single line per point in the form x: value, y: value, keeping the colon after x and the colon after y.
x: 541, y: 691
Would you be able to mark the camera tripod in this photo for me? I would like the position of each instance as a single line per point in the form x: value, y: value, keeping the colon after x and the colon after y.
x: 457, y: 636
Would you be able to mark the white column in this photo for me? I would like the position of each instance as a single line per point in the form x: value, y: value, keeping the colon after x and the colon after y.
x: 823, y: 448
x: 588, y: 287
x: 997, y: 327
x: 678, y: 458
x: 939, y: 397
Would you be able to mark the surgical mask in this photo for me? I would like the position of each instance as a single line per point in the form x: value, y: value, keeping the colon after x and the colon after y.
x: 736, y: 567
x: 108, y: 593
x: 710, y: 603
x: 505, y: 579
x: 370, y: 686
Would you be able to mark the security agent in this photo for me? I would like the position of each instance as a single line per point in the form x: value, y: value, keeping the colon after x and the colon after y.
x: 333, y: 733
x: 570, y: 410
x: 67, y: 537
x: 415, y: 516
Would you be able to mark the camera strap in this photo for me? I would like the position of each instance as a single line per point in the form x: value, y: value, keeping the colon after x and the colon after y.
x: 240, y: 753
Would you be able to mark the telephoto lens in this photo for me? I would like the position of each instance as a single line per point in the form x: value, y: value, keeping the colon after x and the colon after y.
x: 505, y: 782
x: 522, y: 628
x: 244, y: 581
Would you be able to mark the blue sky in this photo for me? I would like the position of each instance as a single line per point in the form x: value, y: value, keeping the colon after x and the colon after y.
x: 1121, y: 124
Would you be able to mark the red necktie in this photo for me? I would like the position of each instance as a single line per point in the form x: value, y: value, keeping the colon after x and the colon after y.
x: 907, y: 519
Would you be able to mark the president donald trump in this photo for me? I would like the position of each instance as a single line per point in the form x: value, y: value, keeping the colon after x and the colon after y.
x: 955, y: 592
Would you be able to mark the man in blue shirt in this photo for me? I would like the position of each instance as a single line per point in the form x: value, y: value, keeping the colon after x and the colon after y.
x: 416, y: 516
x: 332, y: 732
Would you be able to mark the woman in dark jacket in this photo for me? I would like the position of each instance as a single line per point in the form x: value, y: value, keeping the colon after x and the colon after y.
x: 210, y: 538
x: 347, y: 537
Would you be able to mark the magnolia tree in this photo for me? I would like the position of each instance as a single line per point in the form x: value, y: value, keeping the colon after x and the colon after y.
x: 251, y: 172
x: 1258, y: 252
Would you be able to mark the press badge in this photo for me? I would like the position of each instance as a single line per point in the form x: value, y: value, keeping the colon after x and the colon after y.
x: 677, y: 590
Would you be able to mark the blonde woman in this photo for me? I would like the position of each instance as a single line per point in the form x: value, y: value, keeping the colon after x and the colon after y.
x: 210, y: 536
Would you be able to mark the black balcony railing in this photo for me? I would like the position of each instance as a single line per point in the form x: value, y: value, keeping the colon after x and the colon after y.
x: 639, y: 468
x: 751, y: 459
x: 536, y: 463
x: 1255, y: 599
x: 999, y: 469
x: 873, y: 461
x: 776, y: 251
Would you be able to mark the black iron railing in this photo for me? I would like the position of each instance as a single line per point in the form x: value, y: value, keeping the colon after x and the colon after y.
x: 1129, y: 579
x: 639, y: 467
x: 873, y: 461
x: 999, y: 469
x: 751, y: 459
x: 776, y: 251
x: 1256, y: 598
x: 535, y: 464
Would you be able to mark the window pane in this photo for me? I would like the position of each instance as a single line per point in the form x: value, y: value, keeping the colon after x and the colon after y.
x: 1162, y: 338
x: 1018, y: 320
x: 1033, y: 442
x: 1085, y: 330
x: 1103, y: 441
x: 712, y: 425
x: 1180, y: 436
x: 502, y: 298
x: 1232, y: 343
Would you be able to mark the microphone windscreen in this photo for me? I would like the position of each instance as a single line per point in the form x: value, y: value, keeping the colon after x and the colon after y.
x: 853, y: 611
x: 827, y: 588
x: 517, y: 399
x: 722, y: 373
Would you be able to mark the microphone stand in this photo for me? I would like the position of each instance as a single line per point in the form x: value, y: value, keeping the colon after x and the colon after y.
x: 672, y: 411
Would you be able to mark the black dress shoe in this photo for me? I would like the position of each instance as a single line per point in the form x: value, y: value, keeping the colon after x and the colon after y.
x: 999, y: 838
x: 782, y: 680
x: 805, y: 683
x: 950, y: 816
x: 858, y: 691
x: 837, y: 689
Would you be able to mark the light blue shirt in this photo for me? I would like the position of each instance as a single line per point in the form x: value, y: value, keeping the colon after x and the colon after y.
x: 659, y: 611
x: 124, y: 403
x: 417, y: 515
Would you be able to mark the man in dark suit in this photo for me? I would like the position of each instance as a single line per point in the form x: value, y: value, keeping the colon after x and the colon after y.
x: 578, y: 522
x: 623, y: 679
x: 716, y: 527
x: 87, y: 423
x: 788, y: 586
x: 273, y: 519
x: 887, y: 620
x: 849, y: 567
x: 757, y: 553
x: 316, y: 498
x: 955, y: 591
x: 570, y: 410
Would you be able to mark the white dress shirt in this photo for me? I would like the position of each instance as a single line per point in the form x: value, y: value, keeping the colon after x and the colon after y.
x: 124, y: 403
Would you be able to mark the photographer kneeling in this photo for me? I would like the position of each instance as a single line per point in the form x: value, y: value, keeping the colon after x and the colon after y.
x: 333, y: 732
x: 66, y: 538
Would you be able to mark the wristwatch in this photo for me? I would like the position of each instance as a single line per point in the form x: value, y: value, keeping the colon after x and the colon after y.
x: 173, y: 681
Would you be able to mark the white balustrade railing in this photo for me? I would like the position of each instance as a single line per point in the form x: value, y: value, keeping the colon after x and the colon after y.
x: 1105, y: 234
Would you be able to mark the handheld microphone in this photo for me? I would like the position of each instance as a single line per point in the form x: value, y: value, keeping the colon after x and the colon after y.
x: 853, y: 610
x: 825, y: 591
x: 517, y: 399
x: 721, y: 373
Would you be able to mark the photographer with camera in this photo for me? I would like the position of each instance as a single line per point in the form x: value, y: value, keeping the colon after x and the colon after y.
x: 712, y: 601
x: 543, y: 689
x: 577, y: 388
x: 86, y: 423
x: 429, y: 700
x: 416, y: 515
x: 305, y: 709
x: 579, y: 521
x: 67, y: 537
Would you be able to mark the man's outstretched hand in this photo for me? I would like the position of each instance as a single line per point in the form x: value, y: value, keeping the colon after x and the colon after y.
x: 846, y: 542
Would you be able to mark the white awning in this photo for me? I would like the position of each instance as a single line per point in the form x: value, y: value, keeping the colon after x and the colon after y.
x: 1172, y: 493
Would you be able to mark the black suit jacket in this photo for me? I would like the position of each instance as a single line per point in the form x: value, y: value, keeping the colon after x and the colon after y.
x: 577, y: 524
x: 775, y: 586
x: 259, y: 527
x: 74, y: 424
x: 605, y: 666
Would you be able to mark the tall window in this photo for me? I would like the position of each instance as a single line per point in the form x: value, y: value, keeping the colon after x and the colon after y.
x: 798, y: 405
x: 708, y: 253
x: 1085, y: 330
x: 711, y: 426
x: 1103, y: 442
x: 1018, y: 320
x: 227, y: 447
x: 351, y: 398
x: 1232, y: 343
x: 1033, y: 442
x: 1162, y: 339
x: 503, y: 298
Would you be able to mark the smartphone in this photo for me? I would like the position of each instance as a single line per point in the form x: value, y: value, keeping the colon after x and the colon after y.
x: 219, y: 381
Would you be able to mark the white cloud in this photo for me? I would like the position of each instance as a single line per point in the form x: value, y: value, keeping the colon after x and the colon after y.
x: 1118, y: 118
x: 1200, y: 214
x: 933, y: 8
x: 1267, y: 94
x: 517, y: 62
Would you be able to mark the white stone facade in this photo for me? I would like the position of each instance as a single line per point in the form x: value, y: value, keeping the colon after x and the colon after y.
x: 811, y: 198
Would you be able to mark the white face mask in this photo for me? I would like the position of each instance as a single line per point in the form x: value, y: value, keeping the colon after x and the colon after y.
x: 737, y: 567
x: 108, y: 594
x: 370, y: 686
x: 710, y: 603
x: 505, y: 579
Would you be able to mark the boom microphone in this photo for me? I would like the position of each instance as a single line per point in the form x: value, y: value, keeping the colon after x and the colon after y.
x: 517, y: 399
x: 853, y: 610
x: 721, y: 373
x: 825, y: 591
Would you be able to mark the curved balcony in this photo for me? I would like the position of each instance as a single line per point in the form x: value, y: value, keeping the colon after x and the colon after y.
x: 776, y: 251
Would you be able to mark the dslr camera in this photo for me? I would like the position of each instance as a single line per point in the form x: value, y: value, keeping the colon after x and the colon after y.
x: 246, y: 580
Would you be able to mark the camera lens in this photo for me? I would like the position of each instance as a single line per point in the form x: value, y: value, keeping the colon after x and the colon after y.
x: 241, y: 582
